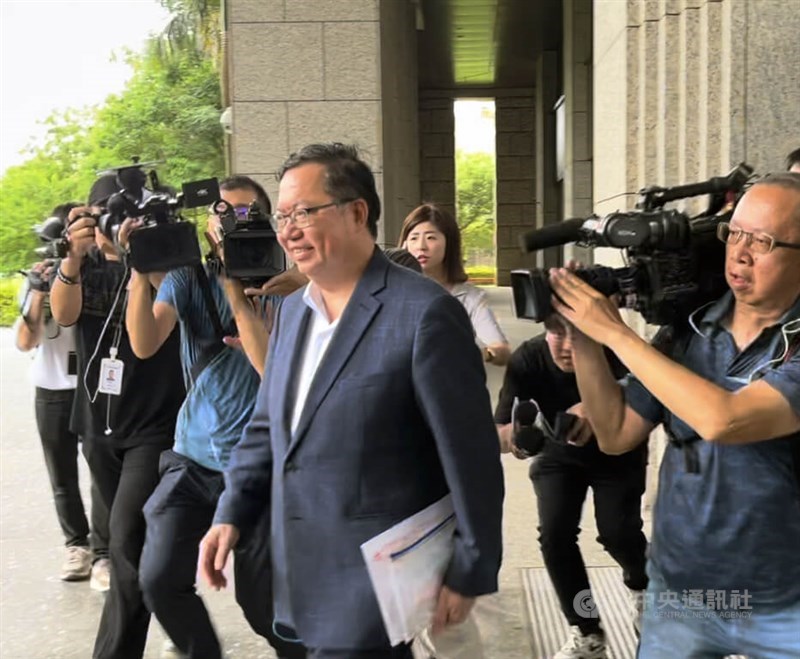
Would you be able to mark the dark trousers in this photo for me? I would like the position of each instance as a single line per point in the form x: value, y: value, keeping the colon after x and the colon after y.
x: 60, y: 447
x: 399, y: 652
x: 125, y: 477
x: 561, y: 487
x: 178, y: 514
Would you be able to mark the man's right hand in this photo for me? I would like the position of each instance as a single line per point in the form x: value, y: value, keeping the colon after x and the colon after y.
x: 214, y: 549
x: 80, y: 231
x: 282, y: 285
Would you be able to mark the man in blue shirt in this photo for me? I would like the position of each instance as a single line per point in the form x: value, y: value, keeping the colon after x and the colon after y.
x: 724, y: 574
x: 221, y: 392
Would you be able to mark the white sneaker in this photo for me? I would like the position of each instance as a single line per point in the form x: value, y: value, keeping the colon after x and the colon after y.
x: 170, y: 651
x: 78, y: 564
x: 637, y: 609
x: 590, y: 646
x: 101, y: 575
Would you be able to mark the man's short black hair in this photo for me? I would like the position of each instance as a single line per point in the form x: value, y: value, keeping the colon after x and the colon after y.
x: 241, y: 182
x: 793, y: 159
x: 347, y: 175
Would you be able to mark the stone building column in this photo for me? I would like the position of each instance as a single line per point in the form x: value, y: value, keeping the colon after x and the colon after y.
x: 548, y: 190
x: 577, y: 183
x: 515, y: 178
x: 437, y: 149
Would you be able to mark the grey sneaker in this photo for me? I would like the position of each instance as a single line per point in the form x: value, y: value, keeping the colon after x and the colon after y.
x: 101, y: 575
x: 580, y: 646
x: 78, y: 564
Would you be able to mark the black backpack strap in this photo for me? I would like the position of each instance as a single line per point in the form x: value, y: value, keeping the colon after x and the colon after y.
x: 210, y: 351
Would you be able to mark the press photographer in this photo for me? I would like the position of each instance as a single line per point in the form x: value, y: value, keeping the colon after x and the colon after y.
x: 54, y: 374
x: 539, y: 413
x: 125, y: 408
x: 221, y: 393
x: 726, y: 386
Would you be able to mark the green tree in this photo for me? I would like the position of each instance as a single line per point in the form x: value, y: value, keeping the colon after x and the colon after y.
x: 168, y: 111
x: 475, y: 199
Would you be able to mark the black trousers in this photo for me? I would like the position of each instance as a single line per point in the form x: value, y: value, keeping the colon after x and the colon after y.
x: 60, y: 447
x: 561, y: 486
x: 178, y: 514
x: 125, y: 477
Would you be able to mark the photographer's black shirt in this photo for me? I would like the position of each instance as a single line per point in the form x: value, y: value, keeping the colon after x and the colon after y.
x: 152, y: 389
x: 532, y: 374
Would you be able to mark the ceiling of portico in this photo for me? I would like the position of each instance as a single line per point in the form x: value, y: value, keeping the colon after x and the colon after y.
x: 484, y: 43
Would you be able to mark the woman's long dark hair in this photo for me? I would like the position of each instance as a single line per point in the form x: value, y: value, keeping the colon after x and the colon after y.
x: 446, y: 223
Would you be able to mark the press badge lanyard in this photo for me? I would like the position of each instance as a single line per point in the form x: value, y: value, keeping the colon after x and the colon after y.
x: 111, y: 371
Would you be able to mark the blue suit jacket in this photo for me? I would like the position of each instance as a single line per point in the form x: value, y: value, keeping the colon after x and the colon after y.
x: 397, y: 415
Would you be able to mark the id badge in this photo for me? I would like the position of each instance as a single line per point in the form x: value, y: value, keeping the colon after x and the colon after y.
x: 110, y: 376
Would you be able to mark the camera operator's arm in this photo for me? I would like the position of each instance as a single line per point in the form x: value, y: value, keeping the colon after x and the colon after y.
x: 149, y: 323
x: 253, y: 331
x: 617, y: 428
x: 755, y: 412
x: 281, y: 285
x: 66, y: 296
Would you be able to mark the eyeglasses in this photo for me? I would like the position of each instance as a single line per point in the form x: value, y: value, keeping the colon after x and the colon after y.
x: 761, y: 243
x: 301, y: 217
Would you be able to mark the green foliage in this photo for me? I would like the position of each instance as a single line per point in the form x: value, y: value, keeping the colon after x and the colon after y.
x: 168, y: 111
x: 475, y: 200
x: 9, y: 292
x: 481, y: 273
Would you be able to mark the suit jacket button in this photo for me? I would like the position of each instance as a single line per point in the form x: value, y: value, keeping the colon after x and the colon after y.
x: 289, y: 466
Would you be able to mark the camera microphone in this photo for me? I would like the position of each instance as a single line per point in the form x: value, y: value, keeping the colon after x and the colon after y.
x: 552, y: 235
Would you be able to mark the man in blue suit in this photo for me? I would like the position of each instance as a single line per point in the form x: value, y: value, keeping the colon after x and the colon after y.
x: 372, y: 407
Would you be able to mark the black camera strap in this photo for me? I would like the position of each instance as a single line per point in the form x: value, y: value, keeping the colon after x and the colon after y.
x: 213, y: 349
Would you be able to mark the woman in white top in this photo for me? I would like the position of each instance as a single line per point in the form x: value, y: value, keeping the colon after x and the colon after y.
x: 54, y: 375
x: 432, y: 236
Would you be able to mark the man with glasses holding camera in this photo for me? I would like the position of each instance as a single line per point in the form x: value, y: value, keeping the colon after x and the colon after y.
x: 723, y: 568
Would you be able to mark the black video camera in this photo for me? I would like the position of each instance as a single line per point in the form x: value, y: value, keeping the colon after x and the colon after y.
x: 675, y: 262
x: 249, y: 243
x: 531, y: 431
x: 52, y: 234
x: 166, y: 241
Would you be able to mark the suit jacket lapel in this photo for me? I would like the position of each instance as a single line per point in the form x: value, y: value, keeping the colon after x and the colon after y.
x: 295, y: 331
x: 355, y: 321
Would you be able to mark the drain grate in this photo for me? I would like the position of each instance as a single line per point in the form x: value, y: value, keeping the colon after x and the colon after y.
x: 549, y: 629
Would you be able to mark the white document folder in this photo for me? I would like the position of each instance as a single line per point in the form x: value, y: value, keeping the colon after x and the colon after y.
x: 406, y: 565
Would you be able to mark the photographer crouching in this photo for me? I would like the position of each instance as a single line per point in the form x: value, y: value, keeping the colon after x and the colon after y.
x: 125, y: 410
x: 539, y: 414
x: 726, y: 387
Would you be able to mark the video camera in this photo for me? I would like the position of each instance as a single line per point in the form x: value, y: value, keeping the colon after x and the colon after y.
x: 51, y: 232
x: 249, y: 243
x: 675, y: 262
x: 166, y: 241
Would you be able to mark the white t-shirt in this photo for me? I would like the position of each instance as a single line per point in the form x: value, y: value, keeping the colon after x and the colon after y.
x: 476, y: 302
x: 49, y: 369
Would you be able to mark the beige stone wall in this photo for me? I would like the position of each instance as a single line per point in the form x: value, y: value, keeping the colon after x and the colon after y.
x: 303, y: 71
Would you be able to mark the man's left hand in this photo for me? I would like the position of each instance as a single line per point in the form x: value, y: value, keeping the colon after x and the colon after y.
x: 587, y: 309
x: 451, y: 609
